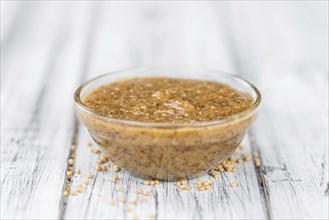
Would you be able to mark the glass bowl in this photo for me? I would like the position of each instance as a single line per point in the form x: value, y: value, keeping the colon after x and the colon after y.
x: 167, y: 151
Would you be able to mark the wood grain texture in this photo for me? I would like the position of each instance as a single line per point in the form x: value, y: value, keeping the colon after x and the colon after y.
x: 292, y: 129
x: 49, y: 48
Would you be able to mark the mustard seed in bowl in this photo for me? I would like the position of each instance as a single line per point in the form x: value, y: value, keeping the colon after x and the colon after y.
x: 156, y: 125
x: 166, y: 100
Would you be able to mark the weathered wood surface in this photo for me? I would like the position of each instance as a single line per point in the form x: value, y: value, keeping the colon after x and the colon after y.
x: 49, y: 48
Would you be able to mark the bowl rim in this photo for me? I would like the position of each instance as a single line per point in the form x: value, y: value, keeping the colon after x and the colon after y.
x: 223, y: 120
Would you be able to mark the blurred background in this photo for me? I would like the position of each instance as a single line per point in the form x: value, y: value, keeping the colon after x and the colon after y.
x: 240, y: 36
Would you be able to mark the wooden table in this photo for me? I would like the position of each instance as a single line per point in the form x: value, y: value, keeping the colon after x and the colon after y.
x: 49, y: 48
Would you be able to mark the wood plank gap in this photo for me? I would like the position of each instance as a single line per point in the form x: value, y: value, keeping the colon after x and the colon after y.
x: 234, y: 53
x: 260, y: 175
x: 64, y: 199
x: 85, y: 63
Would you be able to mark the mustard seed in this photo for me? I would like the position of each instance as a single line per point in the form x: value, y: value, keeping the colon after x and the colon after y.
x: 233, y: 185
x: 89, y: 175
x: 123, y: 199
x: 116, y: 168
x: 139, y: 191
x: 71, y: 162
x: 112, y: 202
x: 98, y: 168
x: 80, y: 188
x: 152, y: 183
x: 77, y: 171
x: 87, y: 181
x: 187, y: 188
x: 65, y: 193
x: 74, y: 192
x: 207, y: 183
x: 148, y: 193
x: 119, y: 188
x: 157, y: 182
x: 72, y: 147
x: 146, y: 182
x: 257, y: 163
x: 201, y: 188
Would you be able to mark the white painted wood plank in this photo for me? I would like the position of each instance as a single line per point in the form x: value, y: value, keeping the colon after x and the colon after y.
x: 290, y: 66
x: 41, y: 68
x: 120, y: 43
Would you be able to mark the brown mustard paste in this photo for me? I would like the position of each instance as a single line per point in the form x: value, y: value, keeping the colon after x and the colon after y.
x: 166, y: 100
x: 173, y: 152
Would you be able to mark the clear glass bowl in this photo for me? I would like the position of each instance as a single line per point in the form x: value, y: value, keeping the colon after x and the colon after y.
x: 167, y: 151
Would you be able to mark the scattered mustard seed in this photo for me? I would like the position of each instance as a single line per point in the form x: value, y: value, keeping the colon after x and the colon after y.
x: 119, y: 188
x: 201, y: 188
x: 207, y: 183
x: 80, y: 188
x: 257, y: 163
x: 98, y: 168
x: 123, y: 199
x: 74, y: 192
x: 77, y: 171
x: 87, y: 181
x: 233, y: 185
x: 89, y: 175
x: 148, y: 193
x: 116, y: 168
x: 139, y: 191
x: 71, y: 161
x: 65, y: 193
x: 187, y: 188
